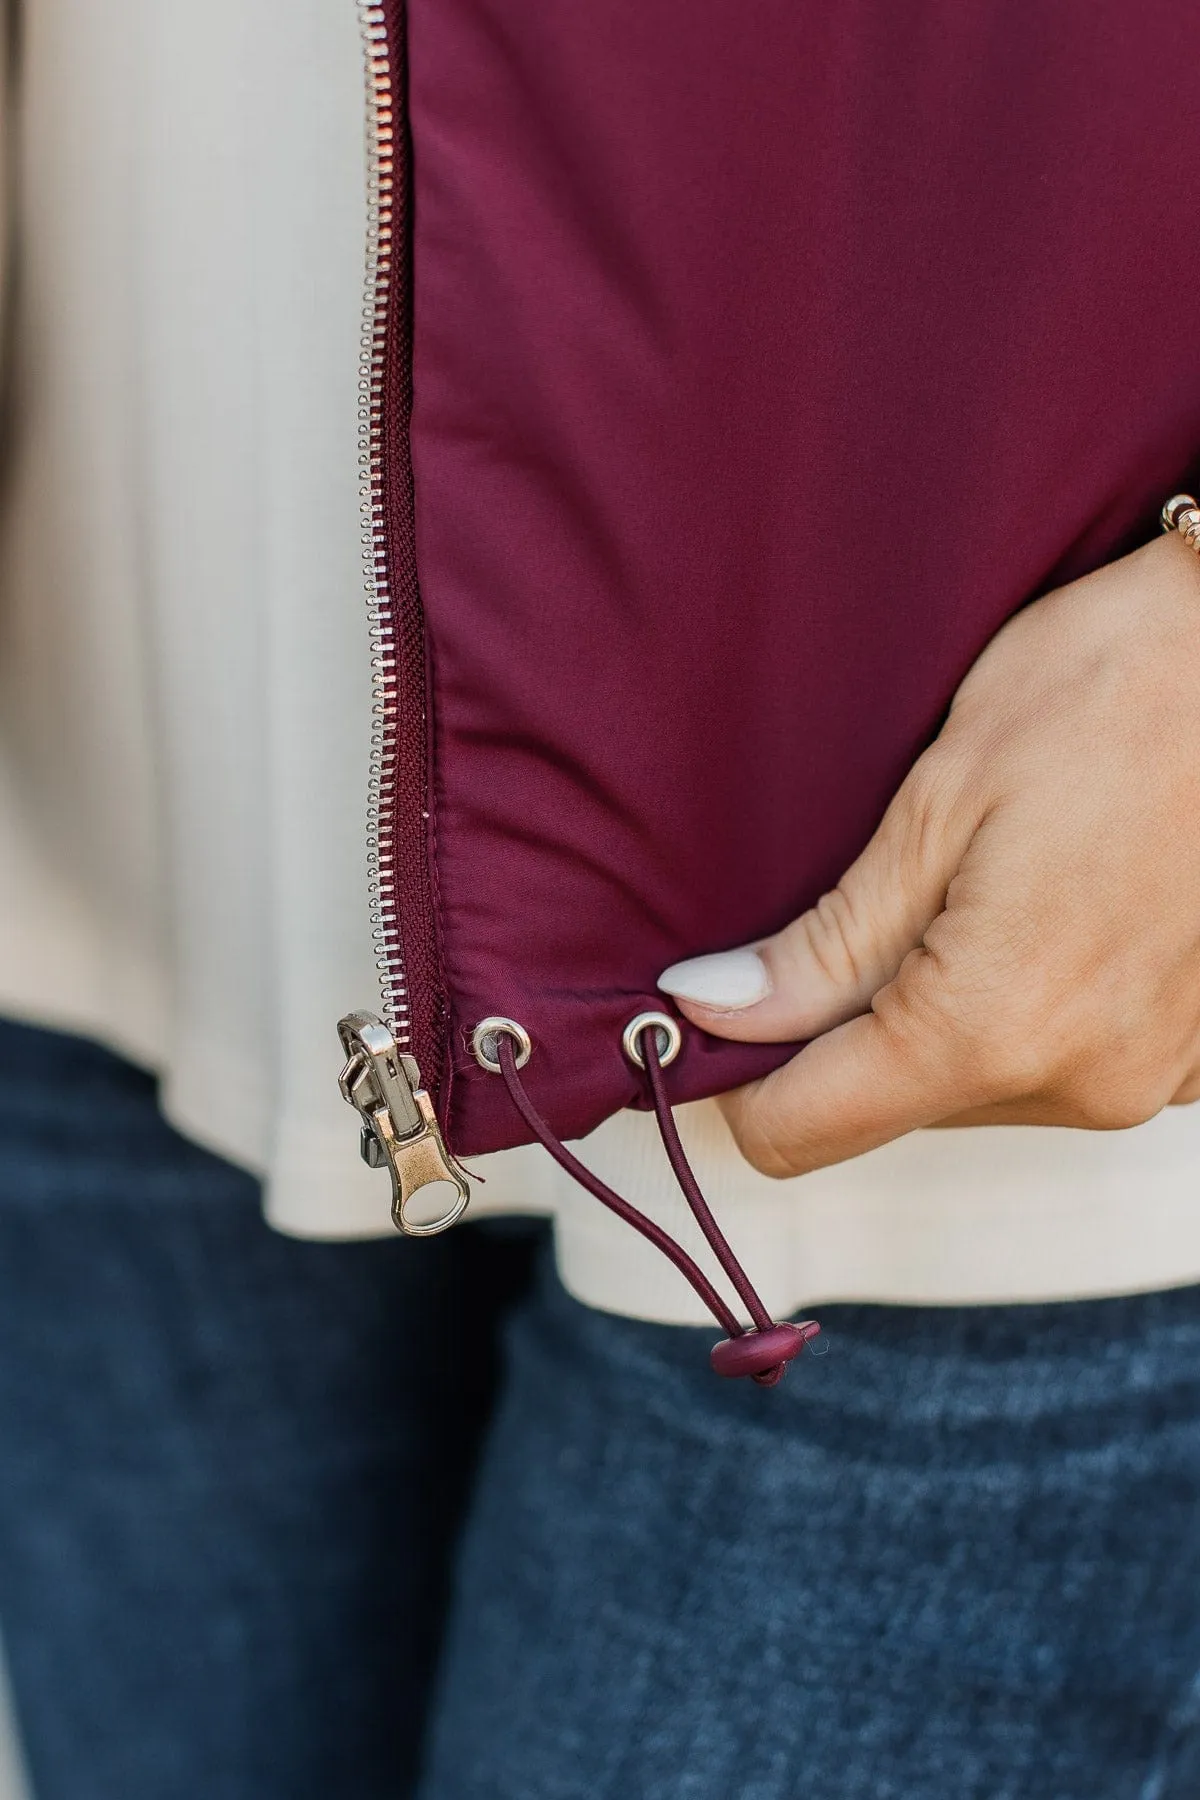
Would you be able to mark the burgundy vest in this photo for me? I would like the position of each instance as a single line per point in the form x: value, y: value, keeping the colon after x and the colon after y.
x: 764, y: 359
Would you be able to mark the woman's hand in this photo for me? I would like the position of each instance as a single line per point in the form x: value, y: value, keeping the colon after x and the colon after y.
x: 1019, y: 943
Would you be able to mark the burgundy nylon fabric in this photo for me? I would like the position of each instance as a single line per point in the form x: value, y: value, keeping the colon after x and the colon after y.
x: 766, y: 359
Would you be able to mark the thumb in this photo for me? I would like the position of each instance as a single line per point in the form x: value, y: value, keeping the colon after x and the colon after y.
x: 827, y: 966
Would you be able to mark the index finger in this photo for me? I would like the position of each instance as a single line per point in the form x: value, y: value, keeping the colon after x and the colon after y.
x: 860, y: 1085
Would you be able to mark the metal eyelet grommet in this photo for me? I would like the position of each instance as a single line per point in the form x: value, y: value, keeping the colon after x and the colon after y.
x: 483, y: 1043
x: 668, y: 1038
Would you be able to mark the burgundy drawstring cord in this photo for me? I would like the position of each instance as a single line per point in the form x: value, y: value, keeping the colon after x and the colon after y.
x: 765, y: 1352
x: 506, y: 1057
x: 762, y: 1353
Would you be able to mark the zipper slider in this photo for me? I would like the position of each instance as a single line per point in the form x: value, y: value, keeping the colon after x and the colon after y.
x: 400, y: 1129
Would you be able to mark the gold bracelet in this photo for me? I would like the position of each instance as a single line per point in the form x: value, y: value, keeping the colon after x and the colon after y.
x: 1182, y: 514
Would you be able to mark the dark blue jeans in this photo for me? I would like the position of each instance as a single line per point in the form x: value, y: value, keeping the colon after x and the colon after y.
x: 957, y: 1559
x: 231, y: 1465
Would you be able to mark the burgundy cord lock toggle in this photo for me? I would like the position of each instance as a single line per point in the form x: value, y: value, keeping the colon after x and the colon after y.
x: 762, y: 1354
x: 651, y: 1041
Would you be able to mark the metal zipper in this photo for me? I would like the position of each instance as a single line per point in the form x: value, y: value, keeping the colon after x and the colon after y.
x: 382, y: 1077
x: 381, y: 180
x: 400, y: 1131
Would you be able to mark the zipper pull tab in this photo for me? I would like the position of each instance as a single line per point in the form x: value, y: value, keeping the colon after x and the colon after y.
x: 400, y: 1129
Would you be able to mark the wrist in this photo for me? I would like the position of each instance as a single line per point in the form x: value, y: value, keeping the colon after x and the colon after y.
x: 1178, y: 562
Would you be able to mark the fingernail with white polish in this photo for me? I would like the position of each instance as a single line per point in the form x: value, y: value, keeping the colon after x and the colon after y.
x: 728, y: 981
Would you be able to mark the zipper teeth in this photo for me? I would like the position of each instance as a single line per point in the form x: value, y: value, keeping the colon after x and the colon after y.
x: 377, y: 293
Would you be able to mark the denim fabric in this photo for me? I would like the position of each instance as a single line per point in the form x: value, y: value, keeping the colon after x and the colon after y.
x: 231, y: 1466
x: 956, y: 1559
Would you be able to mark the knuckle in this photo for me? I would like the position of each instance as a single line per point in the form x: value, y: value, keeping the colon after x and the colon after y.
x: 926, y: 801
x: 1064, y: 1053
x: 921, y: 800
x: 831, y: 932
x: 1032, y: 1041
x: 1112, y: 1101
x: 1122, y: 1112
x: 998, y: 1045
x: 909, y: 1007
x: 921, y: 1004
